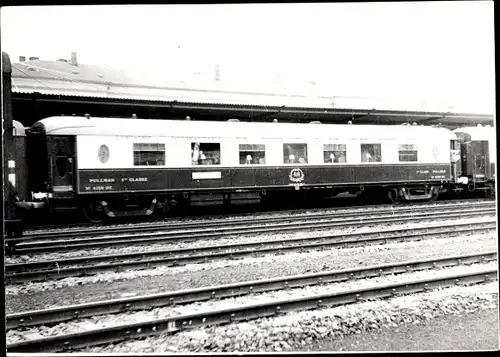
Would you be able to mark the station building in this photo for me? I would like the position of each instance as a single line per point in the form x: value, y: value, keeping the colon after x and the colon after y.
x: 44, y: 88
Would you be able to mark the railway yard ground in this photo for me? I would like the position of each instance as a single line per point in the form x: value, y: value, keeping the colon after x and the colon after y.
x: 378, y: 278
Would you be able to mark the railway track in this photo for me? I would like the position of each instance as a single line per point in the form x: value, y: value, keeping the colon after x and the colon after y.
x: 212, y: 213
x: 212, y: 210
x: 82, y: 266
x: 243, y: 220
x: 74, y: 312
x: 228, y: 228
x: 171, y: 325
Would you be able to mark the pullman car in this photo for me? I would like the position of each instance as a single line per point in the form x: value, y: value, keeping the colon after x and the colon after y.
x: 110, y: 166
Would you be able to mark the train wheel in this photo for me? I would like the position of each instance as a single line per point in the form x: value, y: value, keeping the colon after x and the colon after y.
x: 226, y: 200
x: 93, y: 212
x: 163, y: 208
x: 434, y: 196
x: 393, y: 196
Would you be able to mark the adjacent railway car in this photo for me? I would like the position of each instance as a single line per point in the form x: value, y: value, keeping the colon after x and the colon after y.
x: 15, y: 185
x: 19, y: 162
x: 477, y: 151
x: 108, y: 165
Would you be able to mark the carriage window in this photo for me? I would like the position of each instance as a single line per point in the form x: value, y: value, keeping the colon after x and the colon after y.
x: 205, y: 153
x: 334, y: 153
x: 479, y: 153
x: 408, y: 152
x: 295, y: 153
x: 62, y: 165
x: 149, y: 154
x: 371, y: 153
x: 252, y: 154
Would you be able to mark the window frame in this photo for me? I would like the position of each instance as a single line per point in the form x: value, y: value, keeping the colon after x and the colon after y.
x: 371, y: 144
x: 145, y: 149
x: 334, y: 151
x: 262, y: 149
x: 408, y: 152
x: 297, y: 162
x: 200, y: 143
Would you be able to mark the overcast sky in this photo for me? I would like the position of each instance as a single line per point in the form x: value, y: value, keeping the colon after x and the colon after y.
x: 435, y: 51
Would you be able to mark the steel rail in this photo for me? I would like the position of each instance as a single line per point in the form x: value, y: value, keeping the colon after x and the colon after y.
x: 72, y: 312
x: 83, y: 228
x: 149, y: 238
x: 41, y: 271
x: 174, y: 324
x: 235, y: 222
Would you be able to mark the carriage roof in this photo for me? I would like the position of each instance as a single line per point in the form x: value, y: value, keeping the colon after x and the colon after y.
x: 478, y: 133
x: 63, y: 125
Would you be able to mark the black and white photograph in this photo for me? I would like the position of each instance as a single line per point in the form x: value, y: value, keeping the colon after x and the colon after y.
x: 243, y: 178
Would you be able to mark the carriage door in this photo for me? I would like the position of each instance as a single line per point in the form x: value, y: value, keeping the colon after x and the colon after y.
x: 455, y: 156
x: 61, y: 161
x: 480, y: 160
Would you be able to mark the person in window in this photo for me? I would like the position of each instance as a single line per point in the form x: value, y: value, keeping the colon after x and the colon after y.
x: 368, y: 157
x: 302, y: 160
x: 196, y: 154
x: 332, y: 158
x: 291, y: 158
x: 262, y: 161
x: 248, y: 159
x: 202, y: 158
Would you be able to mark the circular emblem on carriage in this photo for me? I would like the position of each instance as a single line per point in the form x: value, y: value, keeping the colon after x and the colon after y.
x: 435, y: 152
x: 296, y: 175
x: 103, y: 154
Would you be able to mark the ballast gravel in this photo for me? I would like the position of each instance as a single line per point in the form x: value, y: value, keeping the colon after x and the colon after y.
x: 236, y: 239
x: 296, y: 330
x: 212, y: 305
x: 274, y: 214
x: 229, y: 271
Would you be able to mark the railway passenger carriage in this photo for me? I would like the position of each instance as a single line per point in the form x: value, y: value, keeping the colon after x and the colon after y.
x: 109, y: 167
x: 108, y: 164
x: 476, y: 167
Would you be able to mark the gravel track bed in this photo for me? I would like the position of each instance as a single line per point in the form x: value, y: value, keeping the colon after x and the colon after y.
x: 275, y: 214
x: 111, y: 285
x: 200, y: 307
x: 228, y: 218
x: 29, y: 258
x: 200, y: 229
x: 475, y: 330
x: 293, y: 331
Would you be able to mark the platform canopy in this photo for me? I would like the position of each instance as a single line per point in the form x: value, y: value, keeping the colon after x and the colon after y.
x: 105, y: 91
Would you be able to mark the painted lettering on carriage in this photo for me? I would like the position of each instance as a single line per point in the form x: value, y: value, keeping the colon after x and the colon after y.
x: 422, y: 172
x: 98, y: 188
x: 135, y: 179
x: 438, y: 171
x: 101, y: 180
